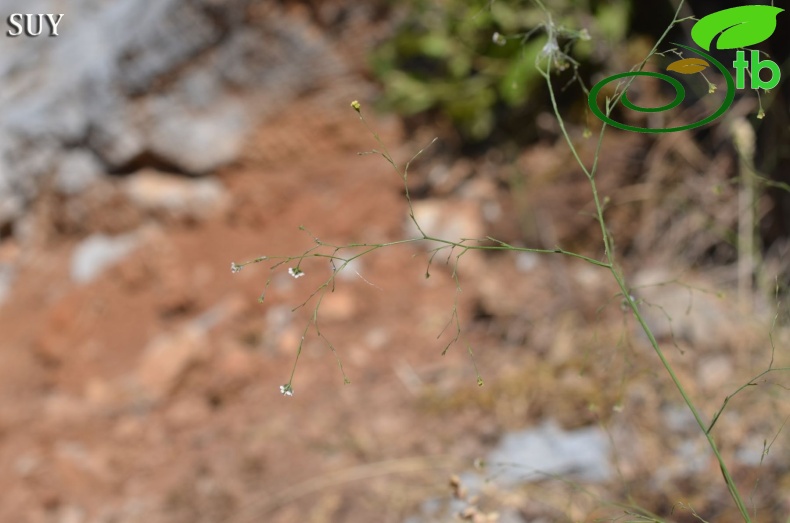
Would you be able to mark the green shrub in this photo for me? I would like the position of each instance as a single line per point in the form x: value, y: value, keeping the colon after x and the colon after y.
x: 473, y: 63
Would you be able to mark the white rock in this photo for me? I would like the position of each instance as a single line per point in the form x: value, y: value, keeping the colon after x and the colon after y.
x: 176, y: 196
x: 97, y: 252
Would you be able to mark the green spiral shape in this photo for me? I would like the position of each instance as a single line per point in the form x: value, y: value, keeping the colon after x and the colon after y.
x: 680, y: 94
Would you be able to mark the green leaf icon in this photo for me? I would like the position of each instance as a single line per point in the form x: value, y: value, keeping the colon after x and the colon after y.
x: 739, y: 26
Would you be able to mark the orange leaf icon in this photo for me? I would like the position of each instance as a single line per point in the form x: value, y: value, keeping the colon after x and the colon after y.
x: 688, y: 66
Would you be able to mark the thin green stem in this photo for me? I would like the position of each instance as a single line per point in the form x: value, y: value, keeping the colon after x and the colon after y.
x: 619, y: 278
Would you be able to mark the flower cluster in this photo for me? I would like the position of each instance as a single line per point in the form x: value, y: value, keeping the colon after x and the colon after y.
x: 296, y: 272
x: 286, y: 390
x: 235, y: 268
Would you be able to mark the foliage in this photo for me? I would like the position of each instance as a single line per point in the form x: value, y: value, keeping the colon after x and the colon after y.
x: 474, y: 62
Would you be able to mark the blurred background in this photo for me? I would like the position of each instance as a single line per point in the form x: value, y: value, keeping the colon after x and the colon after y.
x: 152, y: 143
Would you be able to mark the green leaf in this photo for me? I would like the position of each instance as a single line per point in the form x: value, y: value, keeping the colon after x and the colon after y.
x: 613, y: 21
x: 739, y: 26
x: 521, y: 75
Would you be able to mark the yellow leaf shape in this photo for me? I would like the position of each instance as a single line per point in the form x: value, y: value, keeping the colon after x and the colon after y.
x: 688, y: 66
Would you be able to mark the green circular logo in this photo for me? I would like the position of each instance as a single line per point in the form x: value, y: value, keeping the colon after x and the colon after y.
x: 680, y: 94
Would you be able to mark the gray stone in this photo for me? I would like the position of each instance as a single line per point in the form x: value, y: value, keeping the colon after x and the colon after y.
x: 529, y: 455
x: 77, y: 171
x: 145, y: 83
x: 98, y: 252
x: 7, y: 274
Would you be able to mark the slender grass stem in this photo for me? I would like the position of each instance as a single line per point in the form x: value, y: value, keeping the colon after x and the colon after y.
x: 620, y: 279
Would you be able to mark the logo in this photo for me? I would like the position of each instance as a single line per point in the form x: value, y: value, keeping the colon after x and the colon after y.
x: 736, y: 27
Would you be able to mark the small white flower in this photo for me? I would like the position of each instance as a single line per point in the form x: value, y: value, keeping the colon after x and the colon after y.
x: 498, y: 39
x: 624, y: 304
x: 235, y: 268
x: 286, y: 390
x: 295, y: 272
x: 551, y: 48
